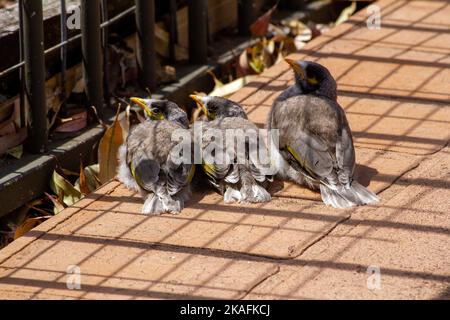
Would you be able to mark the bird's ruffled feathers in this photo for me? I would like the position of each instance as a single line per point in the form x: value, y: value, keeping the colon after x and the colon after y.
x: 342, y: 197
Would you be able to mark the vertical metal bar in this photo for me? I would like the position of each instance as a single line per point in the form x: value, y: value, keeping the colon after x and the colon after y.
x: 22, y: 68
x: 173, y: 29
x: 33, y: 34
x: 105, y: 38
x: 92, y: 53
x: 63, y: 57
x: 146, y: 54
x: 246, y: 16
x: 198, y: 31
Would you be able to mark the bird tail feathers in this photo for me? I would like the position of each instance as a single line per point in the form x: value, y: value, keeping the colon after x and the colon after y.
x: 260, y: 194
x: 342, y: 198
x: 157, y: 204
x: 255, y: 194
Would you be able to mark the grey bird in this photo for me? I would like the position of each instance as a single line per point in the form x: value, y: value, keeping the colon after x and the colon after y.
x: 237, y: 173
x: 315, y: 140
x: 151, y: 163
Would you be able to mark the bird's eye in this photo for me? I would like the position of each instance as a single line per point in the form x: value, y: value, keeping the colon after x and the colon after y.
x: 313, y: 80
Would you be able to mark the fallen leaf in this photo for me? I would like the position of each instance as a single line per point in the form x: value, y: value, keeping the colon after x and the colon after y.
x: 262, y: 55
x: 305, y: 36
x: 64, y: 189
x: 108, y: 148
x: 16, y: 152
x: 68, y: 173
x: 124, y: 120
x: 346, y: 13
x: 261, y: 26
x: 217, y: 82
x: 230, y: 88
x: 27, y: 226
x: 242, y: 65
x: 58, y: 205
x: 16, y: 218
x: 92, y: 176
x: 84, y: 188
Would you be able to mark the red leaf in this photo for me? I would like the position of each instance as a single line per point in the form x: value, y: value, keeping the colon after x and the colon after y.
x: 261, y: 26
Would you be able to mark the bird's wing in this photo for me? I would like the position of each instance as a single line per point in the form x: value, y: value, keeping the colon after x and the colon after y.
x: 145, y: 171
x: 179, y: 166
x: 345, y: 155
x: 312, y: 155
x: 217, y: 162
x: 179, y: 176
x: 216, y: 170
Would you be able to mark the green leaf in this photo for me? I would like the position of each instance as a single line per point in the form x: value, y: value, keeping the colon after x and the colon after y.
x: 16, y: 152
x: 92, y: 179
x: 64, y: 189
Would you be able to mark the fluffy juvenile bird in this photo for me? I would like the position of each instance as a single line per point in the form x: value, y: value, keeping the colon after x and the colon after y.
x: 315, y: 140
x: 233, y: 143
x: 148, y: 162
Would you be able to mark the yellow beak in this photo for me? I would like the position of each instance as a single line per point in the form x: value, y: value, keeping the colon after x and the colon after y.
x: 297, y: 68
x: 141, y: 103
x: 199, y: 102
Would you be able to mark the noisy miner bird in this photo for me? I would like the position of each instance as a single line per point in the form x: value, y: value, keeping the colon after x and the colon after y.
x: 149, y: 162
x: 232, y: 168
x: 315, y: 140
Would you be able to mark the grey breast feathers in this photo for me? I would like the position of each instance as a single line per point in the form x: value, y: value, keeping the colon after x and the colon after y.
x: 149, y: 154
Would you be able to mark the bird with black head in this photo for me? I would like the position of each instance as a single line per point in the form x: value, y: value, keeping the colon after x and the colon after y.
x: 315, y: 140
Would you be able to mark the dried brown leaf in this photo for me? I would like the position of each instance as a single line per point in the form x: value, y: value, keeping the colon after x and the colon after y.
x: 84, y: 188
x: 108, y: 148
x: 261, y: 26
